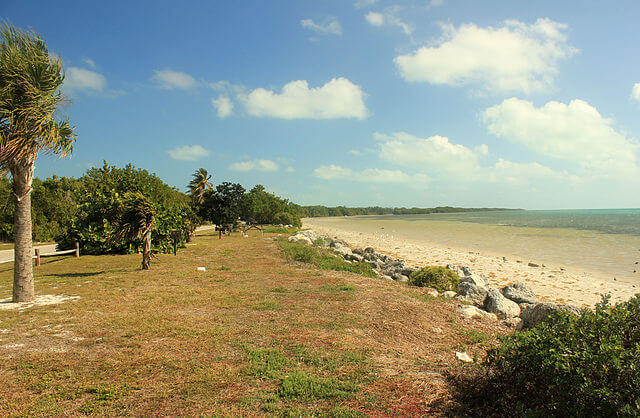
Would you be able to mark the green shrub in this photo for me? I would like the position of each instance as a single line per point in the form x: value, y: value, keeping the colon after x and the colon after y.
x: 323, y: 259
x: 587, y: 365
x: 437, y: 277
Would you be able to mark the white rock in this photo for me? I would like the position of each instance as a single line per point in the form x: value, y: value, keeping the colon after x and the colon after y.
x: 473, y: 312
x: 202, y: 269
x: 449, y: 294
x: 463, y: 356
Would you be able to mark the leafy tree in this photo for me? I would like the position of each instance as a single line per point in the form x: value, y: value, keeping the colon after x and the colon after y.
x: 136, y: 222
x: 223, y: 205
x: 198, y: 185
x: 30, y: 81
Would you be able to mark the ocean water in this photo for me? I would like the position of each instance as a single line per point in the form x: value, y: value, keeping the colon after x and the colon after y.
x: 604, y: 243
x: 610, y: 221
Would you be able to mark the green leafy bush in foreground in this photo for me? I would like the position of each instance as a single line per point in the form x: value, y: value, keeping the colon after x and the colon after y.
x: 323, y: 259
x: 587, y: 365
x: 437, y: 277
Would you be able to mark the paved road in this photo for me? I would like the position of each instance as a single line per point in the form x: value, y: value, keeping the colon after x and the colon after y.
x: 7, y: 255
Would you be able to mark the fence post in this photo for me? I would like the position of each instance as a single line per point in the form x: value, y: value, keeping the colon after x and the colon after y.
x: 37, y: 257
x: 77, y: 249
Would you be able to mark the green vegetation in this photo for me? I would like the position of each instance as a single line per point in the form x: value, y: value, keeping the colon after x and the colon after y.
x: 570, y: 365
x: 316, y: 211
x: 436, y: 277
x: 323, y: 259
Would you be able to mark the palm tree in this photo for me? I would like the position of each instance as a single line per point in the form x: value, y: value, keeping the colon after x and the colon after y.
x: 199, y: 184
x: 30, y: 81
x: 135, y: 223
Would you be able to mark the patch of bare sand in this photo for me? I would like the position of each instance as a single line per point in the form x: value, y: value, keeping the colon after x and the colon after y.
x: 550, y: 282
x: 40, y: 300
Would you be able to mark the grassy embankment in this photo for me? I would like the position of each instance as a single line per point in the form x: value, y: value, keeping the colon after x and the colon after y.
x: 257, y: 333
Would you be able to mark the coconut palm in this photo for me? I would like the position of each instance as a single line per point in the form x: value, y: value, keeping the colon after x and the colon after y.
x: 30, y: 82
x: 198, y: 185
x: 135, y: 223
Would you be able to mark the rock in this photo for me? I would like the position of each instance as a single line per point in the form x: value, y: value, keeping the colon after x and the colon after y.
x: 358, y: 251
x: 430, y: 291
x: 341, y: 249
x: 532, y: 315
x: 477, y: 279
x: 354, y: 257
x: 514, y: 322
x: 449, y: 294
x: 369, y: 250
x: 499, y: 305
x: 519, y: 293
x: 533, y: 265
x: 471, y: 293
x: 408, y: 270
x: 300, y: 239
x: 400, y: 277
x: 384, y: 276
x: 461, y: 271
x: 473, y: 312
x: 463, y: 356
x: 373, y: 264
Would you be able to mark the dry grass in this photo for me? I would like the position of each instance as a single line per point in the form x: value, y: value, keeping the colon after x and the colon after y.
x: 253, y: 335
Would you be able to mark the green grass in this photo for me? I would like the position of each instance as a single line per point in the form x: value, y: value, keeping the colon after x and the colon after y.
x: 323, y: 259
x: 299, y: 385
x: 280, y: 230
x: 338, y: 288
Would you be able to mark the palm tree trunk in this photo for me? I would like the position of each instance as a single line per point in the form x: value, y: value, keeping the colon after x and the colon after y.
x: 146, y: 251
x: 23, y: 246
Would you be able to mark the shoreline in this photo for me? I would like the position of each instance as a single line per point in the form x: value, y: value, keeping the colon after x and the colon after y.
x: 551, y: 282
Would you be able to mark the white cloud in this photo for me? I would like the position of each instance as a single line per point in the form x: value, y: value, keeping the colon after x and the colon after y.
x: 435, y: 3
x: 330, y: 27
x: 79, y: 79
x: 223, y: 106
x: 364, y: 3
x: 515, y: 57
x: 90, y: 63
x: 169, y: 79
x: 369, y: 175
x: 388, y: 18
x: 375, y: 19
x: 188, y: 153
x: 255, y: 165
x: 635, y: 92
x: 355, y: 152
x: 435, y: 154
x: 574, y: 133
x: 339, y: 98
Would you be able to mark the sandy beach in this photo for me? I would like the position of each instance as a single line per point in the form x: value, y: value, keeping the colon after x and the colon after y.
x: 550, y: 281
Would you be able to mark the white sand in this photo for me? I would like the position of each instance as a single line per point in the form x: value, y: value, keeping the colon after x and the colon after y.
x: 551, y: 283
x: 40, y: 300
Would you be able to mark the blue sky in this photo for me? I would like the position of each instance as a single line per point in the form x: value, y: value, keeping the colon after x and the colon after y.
x: 357, y: 102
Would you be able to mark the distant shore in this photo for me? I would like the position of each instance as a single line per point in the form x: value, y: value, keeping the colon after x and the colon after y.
x: 551, y: 282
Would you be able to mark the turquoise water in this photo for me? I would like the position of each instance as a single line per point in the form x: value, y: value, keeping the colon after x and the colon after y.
x: 609, y: 221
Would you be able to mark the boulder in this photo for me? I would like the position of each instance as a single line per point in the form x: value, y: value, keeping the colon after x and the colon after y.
x: 300, y: 239
x: 449, y: 294
x: 407, y: 270
x: 533, y: 314
x: 369, y: 250
x: 499, y: 305
x: 477, y: 279
x: 471, y: 293
x: 461, y: 271
x: 354, y: 257
x: 514, y: 322
x: 519, y: 293
x: 358, y: 251
x: 341, y: 249
x: 473, y: 312
x: 400, y: 277
x: 430, y: 291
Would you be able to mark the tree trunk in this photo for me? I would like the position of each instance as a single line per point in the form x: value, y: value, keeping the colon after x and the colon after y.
x: 23, y: 246
x: 146, y: 251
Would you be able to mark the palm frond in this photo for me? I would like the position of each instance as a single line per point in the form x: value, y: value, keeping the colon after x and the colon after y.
x: 136, y: 219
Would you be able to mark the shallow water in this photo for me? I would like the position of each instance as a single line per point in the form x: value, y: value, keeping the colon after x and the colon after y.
x: 606, y: 243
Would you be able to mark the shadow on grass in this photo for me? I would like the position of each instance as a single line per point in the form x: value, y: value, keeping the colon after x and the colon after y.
x: 96, y: 273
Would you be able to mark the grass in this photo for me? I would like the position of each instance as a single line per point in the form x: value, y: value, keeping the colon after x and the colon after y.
x: 323, y: 259
x: 262, y: 336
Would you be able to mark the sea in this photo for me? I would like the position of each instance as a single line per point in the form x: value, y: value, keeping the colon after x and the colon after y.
x: 605, y: 242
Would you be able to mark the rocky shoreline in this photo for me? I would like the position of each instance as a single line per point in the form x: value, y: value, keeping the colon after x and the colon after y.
x: 516, y: 305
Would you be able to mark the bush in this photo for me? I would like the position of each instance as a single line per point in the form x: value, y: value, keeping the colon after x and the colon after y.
x: 285, y: 218
x: 323, y: 259
x: 437, y: 277
x: 587, y: 365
